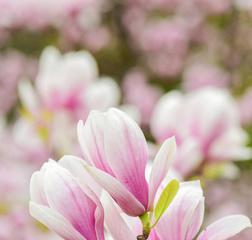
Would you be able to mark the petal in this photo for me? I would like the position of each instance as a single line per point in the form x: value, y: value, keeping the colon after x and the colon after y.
x: 91, y: 139
x: 235, y: 141
x: 126, y: 200
x: 28, y: 96
x: 37, y: 193
x: 188, y: 158
x: 127, y: 153
x: 49, y: 58
x: 161, y: 165
x: 184, y: 216
x: 76, y: 166
x: 102, y: 94
x: 207, y: 123
x: 198, y: 216
x: 54, y: 221
x: 120, y: 230
x: 166, y: 116
x: 66, y: 196
x: 225, y: 228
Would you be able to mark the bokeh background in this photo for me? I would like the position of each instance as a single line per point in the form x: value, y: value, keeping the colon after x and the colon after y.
x: 178, y: 67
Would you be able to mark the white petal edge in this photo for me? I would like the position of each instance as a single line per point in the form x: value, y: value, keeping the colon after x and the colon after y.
x: 161, y: 165
x: 115, y: 223
x: 225, y: 228
x: 54, y: 221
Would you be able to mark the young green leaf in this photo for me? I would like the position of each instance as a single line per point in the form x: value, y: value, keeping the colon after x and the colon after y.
x: 165, y: 199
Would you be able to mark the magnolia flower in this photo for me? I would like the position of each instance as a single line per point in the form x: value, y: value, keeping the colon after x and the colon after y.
x: 64, y: 204
x: 184, y: 217
x: 70, y: 82
x: 206, y: 125
x: 181, y: 221
x: 116, y: 146
x: 66, y: 89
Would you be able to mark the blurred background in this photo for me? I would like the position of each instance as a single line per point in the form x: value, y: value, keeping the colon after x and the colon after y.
x: 177, y: 67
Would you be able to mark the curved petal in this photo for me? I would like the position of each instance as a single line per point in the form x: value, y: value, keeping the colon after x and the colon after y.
x: 66, y: 196
x: 91, y: 139
x: 127, y: 153
x: 161, y: 165
x: 76, y: 166
x: 120, y: 230
x: 166, y: 116
x: 54, y: 221
x: 225, y: 228
x: 102, y: 94
x: 189, y: 157
x: 37, y: 193
x: 28, y: 96
x: 126, y: 200
x: 183, y: 218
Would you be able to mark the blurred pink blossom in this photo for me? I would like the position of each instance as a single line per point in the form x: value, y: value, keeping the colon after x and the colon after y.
x: 76, y: 21
x: 136, y: 88
x: 67, y: 87
x: 200, y: 75
x: 164, y: 43
x: 206, y: 125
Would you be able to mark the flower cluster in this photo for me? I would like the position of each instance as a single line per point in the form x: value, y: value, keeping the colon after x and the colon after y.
x: 77, y: 197
x: 144, y: 78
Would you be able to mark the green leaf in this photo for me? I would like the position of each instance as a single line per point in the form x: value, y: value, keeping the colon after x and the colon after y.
x: 165, y: 199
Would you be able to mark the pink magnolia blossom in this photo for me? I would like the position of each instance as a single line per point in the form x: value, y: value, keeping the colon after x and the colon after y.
x: 67, y: 87
x: 69, y: 82
x: 181, y: 221
x: 206, y: 125
x: 115, y: 145
x: 164, y: 43
x: 64, y: 204
x: 184, y: 218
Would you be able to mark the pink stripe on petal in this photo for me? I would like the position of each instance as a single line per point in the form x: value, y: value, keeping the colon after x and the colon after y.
x: 180, y: 216
x: 91, y: 139
x: 76, y: 167
x: 65, y: 195
x: 126, y: 200
x: 127, y: 153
